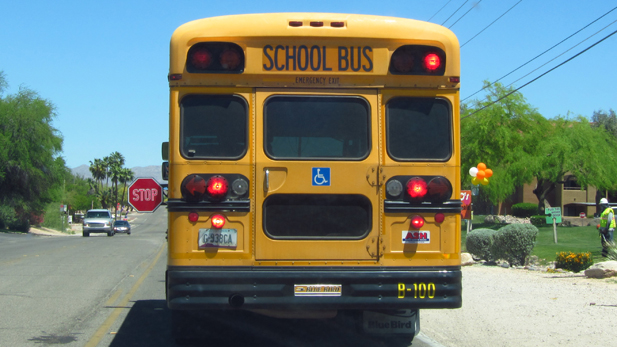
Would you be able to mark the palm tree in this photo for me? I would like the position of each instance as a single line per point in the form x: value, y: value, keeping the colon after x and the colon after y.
x: 126, y: 175
x: 115, y: 162
x: 98, y: 173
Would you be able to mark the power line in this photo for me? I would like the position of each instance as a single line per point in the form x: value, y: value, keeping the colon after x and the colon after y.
x: 535, y: 79
x: 491, y: 24
x: 461, y: 17
x: 444, y: 22
x: 537, y: 56
x: 571, y: 48
x: 428, y: 20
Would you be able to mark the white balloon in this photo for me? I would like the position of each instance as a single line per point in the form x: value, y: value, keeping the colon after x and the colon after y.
x: 473, y: 171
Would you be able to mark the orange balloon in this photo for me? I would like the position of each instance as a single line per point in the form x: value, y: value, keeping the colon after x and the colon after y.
x: 480, y: 175
x: 481, y: 166
x: 488, y: 173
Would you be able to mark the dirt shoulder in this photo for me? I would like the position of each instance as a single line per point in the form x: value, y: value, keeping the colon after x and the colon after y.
x: 517, y: 307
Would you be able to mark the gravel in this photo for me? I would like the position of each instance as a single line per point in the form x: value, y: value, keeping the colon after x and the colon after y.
x: 518, y: 307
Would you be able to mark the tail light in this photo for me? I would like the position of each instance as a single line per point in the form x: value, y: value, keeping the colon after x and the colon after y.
x: 201, y: 59
x: 418, y: 60
x: 217, y: 187
x: 193, y: 188
x: 215, y: 57
x: 416, y: 188
x: 218, y: 221
x: 417, y: 222
x: 439, y: 189
x: 193, y: 217
x: 432, y: 62
x: 439, y: 218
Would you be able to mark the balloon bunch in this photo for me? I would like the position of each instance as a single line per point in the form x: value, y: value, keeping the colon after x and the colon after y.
x: 480, y: 174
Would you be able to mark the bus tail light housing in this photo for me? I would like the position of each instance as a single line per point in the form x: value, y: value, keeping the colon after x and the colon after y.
x: 215, y: 57
x: 196, y: 188
x: 419, y: 190
x: 418, y: 60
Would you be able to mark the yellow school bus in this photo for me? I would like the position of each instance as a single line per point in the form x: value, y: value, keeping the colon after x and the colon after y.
x: 314, y: 169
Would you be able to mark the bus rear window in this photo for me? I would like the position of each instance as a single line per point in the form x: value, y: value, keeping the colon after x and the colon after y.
x: 317, y: 127
x: 419, y: 129
x: 213, y: 126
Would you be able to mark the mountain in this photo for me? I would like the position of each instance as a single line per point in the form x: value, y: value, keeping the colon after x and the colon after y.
x: 152, y: 171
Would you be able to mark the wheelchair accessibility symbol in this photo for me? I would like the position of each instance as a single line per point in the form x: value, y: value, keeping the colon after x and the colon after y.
x: 321, y: 176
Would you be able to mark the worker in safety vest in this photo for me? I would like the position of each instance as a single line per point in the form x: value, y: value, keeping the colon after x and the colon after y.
x: 607, y: 226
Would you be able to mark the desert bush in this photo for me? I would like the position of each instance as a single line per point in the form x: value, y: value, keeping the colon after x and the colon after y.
x: 524, y: 209
x: 575, y: 262
x: 514, y: 242
x: 478, y: 243
x: 538, y: 220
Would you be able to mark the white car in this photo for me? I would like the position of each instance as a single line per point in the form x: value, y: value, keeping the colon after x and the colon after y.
x: 98, y: 221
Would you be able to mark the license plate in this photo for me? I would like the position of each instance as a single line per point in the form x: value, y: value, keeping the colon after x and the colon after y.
x: 220, y: 238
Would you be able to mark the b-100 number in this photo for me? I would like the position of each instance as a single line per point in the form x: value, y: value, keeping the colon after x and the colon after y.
x: 420, y: 290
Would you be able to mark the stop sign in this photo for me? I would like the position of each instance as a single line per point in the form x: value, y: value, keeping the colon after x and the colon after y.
x: 145, y: 194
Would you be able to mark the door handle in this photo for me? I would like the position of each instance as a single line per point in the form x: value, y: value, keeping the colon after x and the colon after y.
x: 267, y: 181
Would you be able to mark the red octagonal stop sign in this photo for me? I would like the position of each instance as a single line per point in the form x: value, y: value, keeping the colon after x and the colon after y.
x: 145, y: 194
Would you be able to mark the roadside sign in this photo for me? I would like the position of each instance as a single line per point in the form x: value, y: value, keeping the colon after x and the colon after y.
x: 466, y: 200
x: 554, y: 212
x: 145, y: 194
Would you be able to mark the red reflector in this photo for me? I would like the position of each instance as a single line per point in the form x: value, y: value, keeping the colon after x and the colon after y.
x: 295, y: 23
x: 218, y: 221
x: 230, y: 59
x: 316, y: 24
x: 175, y: 77
x: 217, y: 187
x: 416, y: 187
x: 455, y: 79
x: 201, y: 59
x: 193, y: 217
x: 432, y: 62
x: 337, y: 24
x: 417, y: 222
x: 440, y: 217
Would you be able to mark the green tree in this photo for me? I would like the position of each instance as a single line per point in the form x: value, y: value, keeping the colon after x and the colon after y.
x: 608, y: 120
x: 30, y: 165
x: 506, y: 134
x: 576, y: 147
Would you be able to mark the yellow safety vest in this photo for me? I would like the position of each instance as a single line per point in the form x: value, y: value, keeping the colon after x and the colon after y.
x: 604, y: 218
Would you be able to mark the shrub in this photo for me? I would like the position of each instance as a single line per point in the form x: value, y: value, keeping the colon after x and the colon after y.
x: 479, y: 243
x: 538, y: 220
x: 514, y: 242
x: 524, y: 210
x: 575, y: 262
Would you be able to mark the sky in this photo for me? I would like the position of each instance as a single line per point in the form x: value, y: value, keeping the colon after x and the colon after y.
x: 104, y: 64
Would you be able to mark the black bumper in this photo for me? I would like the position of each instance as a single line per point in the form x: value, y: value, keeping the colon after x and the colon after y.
x: 195, y: 288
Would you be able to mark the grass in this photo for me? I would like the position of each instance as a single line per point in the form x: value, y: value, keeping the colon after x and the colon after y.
x: 569, y: 239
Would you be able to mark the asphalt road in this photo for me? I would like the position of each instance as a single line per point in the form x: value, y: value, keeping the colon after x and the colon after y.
x: 110, y: 291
